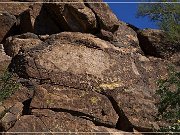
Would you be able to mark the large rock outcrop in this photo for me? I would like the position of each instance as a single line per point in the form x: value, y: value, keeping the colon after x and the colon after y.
x: 87, y: 17
x: 81, y: 74
x: 80, y: 69
x: 94, y: 18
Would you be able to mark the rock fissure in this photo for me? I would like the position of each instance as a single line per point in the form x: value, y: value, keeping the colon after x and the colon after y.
x: 97, y: 19
x: 26, y: 107
x: 123, y: 122
x: 96, y: 121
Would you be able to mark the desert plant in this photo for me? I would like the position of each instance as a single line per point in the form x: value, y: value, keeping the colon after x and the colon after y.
x: 166, y: 15
x: 169, y: 105
x: 8, y: 85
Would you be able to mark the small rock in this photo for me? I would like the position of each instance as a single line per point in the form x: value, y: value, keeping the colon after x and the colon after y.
x: 11, y: 116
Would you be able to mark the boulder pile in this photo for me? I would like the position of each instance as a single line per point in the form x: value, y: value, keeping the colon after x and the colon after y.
x: 80, y: 69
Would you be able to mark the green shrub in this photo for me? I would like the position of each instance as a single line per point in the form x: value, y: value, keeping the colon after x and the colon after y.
x: 169, y: 105
x: 8, y: 85
x: 166, y: 15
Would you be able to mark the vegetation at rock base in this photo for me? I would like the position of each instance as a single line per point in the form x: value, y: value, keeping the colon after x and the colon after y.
x: 167, y: 16
x: 8, y: 85
x: 169, y: 105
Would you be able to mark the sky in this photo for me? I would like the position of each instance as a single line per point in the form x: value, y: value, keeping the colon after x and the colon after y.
x: 127, y: 12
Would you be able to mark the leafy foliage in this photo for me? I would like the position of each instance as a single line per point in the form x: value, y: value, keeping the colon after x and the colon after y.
x: 169, y: 105
x: 8, y: 85
x: 167, y: 16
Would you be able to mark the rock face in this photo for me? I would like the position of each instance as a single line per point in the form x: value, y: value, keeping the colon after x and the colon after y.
x: 155, y: 43
x: 108, y: 21
x: 92, y: 78
x: 36, y: 20
x: 90, y: 18
x: 80, y: 69
x: 7, y: 21
x: 73, y: 17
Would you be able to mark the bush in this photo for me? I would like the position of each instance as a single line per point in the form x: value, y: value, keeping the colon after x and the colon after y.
x: 169, y: 105
x: 8, y: 85
x: 166, y: 15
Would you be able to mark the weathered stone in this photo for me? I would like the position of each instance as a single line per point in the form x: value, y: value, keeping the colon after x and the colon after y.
x: 108, y: 27
x: 125, y: 36
x: 76, y: 82
x: 7, y: 21
x: 37, y: 20
x: 18, y: 43
x: 155, y: 43
x: 3, y: 56
x: 14, y: 8
x: 44, y: 120
x: 85, y: 62
x: 9, y: 118
x: 89, y: 104
x: 2, y: 109
x: 70, y: 122
x: 73, y: 16
x: 106, y: 19
x: 43, y: 37
x: 29, y: 123
x: 17, y: 108
x: 7, y: 121
x: 175, y: 59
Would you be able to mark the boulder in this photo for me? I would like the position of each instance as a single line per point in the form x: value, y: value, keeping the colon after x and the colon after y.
x: 77, y: 63
x: 7, y: 24
x: 10, y: 116
x: 81, y: 103
x: 38, y: 21
x: 29, y: 123
x: 126, y: 37
x: 155, y: 43
x: 72, y: 16
x: 106, y: 19
x: 18, y: 43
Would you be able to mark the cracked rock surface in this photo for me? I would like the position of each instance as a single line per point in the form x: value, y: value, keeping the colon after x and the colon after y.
x: 80, y: 69
x: 83, y: 76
